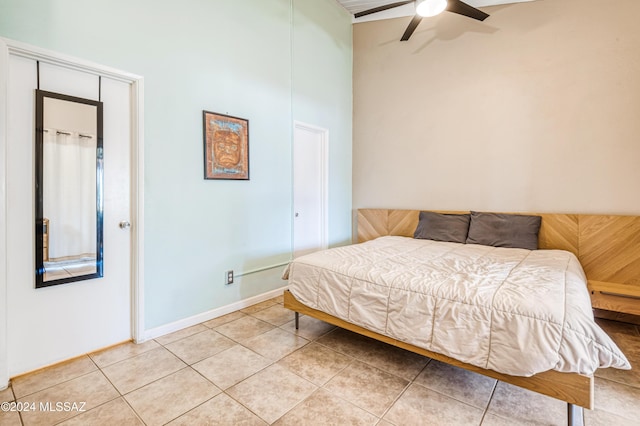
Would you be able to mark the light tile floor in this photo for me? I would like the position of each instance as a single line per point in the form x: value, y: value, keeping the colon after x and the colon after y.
x: 252, y: 367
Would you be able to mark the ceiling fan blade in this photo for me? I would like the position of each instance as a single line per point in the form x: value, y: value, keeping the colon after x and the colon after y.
x: 456, y: 6
x: 411, y: 28
x: 381, y: 8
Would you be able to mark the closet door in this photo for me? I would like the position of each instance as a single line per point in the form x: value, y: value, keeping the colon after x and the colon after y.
x: 309, y: 189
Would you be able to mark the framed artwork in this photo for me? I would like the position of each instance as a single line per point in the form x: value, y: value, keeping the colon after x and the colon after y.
x: 226, y: 146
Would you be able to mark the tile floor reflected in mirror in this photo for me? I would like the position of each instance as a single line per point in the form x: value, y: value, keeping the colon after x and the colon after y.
x: 69, y: 268
x: 252, y: 367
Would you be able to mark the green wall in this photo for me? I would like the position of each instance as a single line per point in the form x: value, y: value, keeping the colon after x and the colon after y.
x: 322, y: 95
x: 270, y: 61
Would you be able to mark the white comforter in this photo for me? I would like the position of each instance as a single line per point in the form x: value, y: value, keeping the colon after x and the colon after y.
x: 515, y: 311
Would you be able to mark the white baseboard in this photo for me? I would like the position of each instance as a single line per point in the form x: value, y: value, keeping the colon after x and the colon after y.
x: 209, y: 315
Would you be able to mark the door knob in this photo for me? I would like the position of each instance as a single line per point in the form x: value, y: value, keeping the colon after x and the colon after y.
x: 125, y: 224
x: 297, y: 214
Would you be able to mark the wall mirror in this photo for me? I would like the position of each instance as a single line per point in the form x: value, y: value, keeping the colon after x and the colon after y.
x: 69, y: 189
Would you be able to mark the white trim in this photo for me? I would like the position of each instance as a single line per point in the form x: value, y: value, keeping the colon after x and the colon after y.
x: 43, y: 55
x: 209, y: 315
x: 4, y: 79
x: 324, y: 166
x: 12, y: 47
x: 137, y: 211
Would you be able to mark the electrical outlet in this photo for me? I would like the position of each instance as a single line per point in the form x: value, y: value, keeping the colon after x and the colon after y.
x: 230, y: 277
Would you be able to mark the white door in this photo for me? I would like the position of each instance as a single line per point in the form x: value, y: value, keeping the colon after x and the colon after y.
x: 309, y: 189
x: 55, y: 323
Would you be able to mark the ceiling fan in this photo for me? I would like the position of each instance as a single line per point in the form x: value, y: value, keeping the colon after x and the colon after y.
x: 427, y: 8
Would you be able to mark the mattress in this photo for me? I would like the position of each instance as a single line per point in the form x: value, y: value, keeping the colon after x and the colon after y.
x: 514, y: 311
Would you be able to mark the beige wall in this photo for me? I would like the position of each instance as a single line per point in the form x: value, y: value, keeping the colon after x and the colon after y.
x: 536, y: 109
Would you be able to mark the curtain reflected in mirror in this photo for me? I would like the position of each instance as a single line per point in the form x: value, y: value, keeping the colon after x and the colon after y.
x: 69, y: 182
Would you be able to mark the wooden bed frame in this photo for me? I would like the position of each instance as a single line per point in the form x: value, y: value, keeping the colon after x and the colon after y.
x: 608, y: 248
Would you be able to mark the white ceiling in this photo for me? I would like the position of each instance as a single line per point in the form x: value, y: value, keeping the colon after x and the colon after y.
x: 355, y: 6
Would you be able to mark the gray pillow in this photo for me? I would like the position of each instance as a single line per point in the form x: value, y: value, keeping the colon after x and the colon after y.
x: 443, y: 227
x: 504, y: 230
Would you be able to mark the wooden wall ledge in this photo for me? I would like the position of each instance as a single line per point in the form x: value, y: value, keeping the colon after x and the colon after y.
x: 625, y: 290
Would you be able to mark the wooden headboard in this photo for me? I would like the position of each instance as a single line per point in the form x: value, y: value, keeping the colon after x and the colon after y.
x: 608, y: 248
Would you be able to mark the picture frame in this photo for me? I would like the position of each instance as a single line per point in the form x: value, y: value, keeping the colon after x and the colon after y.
x: 226, y: 146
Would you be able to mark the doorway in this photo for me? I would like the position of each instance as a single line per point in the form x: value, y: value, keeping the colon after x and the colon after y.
x: 310, y: 192
x: 78, y: 317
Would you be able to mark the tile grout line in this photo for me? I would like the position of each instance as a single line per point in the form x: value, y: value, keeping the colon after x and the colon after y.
x: 351, y: 358
x: 270, y: 365
x: 318, y: 387
x: 121, y: 396
x: 202, y: 403
x: 105, y: 402
x: 58, y: 383
x: 183, y: 338
x: 222, y: 391
x: 397, y: 398
x: 244, y: 406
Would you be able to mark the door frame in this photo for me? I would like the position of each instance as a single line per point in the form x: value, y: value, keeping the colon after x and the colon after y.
x: 11, y: 47
x: 324, y: 179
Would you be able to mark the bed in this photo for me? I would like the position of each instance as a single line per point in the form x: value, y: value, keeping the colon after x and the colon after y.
x: 362, y: 288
